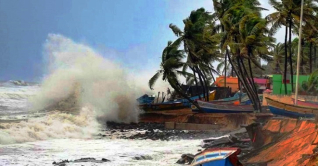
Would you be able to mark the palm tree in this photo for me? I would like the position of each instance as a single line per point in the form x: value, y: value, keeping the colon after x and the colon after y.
x: 220, y: 8
x: 199, y: 45
x: 311, y: 86
x: 310, y: 35
x: 171, y: 62
x: 288, y: 15
x: 242, y: 37
x: 278, y: 19
x: 278, y: 56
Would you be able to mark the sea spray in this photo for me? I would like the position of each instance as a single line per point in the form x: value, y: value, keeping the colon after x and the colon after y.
x: 77, y: 77
x: 104, y: 85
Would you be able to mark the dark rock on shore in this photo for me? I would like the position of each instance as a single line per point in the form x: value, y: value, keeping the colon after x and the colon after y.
x: 153, y: 131
x: 81, y: 160
x: 186, y: 159
x: 143, y: 157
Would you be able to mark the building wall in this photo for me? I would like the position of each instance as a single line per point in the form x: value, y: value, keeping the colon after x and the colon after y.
x: 279, y: 87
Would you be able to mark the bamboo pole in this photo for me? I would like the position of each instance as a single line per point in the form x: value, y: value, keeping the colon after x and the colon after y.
x: 299, y: 50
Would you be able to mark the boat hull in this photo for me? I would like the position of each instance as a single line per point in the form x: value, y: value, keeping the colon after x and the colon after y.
x: 282, y: 112
x: 217, y: 157
x: 159, y: 107
x: 289, y: 110
x: 221, y: 108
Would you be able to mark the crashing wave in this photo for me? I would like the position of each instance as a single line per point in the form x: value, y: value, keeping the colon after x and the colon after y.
x: 81, y: 87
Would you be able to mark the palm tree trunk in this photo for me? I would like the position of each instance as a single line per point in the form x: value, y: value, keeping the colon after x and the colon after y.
x: 206, y: 86
x: 248, y: 90
x: 201, y: 82
x: 247, y: 86
x: 225, y: 66
x: 251, y: 73
x: 310, y: 57
x: 212, y: 73
x: 250, y: 85
x: 290, y: 56
x: 285, y: 68
x: 196, y: 81
x: 315, y: 55
x: 302, y: 61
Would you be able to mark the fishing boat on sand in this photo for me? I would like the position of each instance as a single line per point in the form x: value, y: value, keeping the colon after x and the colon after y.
x: 217, y: 157
x: 208, y: 107
x: 290, y: 110
x: 293, y: 110
x: 146, y: 103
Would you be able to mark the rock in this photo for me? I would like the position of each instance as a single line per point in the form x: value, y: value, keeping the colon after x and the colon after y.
x: 105, y: 160
x: 186, y: 159
x: 143, y: 157
x: 81, y: 160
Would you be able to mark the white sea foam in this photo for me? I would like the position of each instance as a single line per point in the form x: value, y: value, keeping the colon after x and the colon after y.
x: 120, y: 152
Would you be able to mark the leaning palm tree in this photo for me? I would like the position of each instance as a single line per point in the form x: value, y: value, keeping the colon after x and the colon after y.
x: 199, y: 44
x: 171, y: 62
x: 253, y: 42
x: 220, y: 8
x: 244, y: 43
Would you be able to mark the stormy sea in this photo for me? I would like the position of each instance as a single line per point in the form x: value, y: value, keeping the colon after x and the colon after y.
x: 63, y: 117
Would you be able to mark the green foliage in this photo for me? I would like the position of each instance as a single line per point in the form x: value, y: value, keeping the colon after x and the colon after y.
x: 310, y: 87
x: 236, y: 30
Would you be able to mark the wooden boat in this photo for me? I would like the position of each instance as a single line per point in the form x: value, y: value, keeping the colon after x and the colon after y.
x: 306, y: 103
x: 208, y: 107
x: 289, y: 110
x: 161, y: 106
x: 146, y: 103
x: 217, y: 157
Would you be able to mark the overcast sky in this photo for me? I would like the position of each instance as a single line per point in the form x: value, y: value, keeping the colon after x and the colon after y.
x: 130, y: 32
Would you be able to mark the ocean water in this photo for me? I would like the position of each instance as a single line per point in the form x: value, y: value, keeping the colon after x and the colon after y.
x: 41, y: 140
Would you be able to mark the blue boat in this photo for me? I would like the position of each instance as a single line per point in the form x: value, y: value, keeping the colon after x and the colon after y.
x: 217, y: 157
x: 289, y: 110
x: 208, y: 107
x: 236, y: 96
x: 145, y: 99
